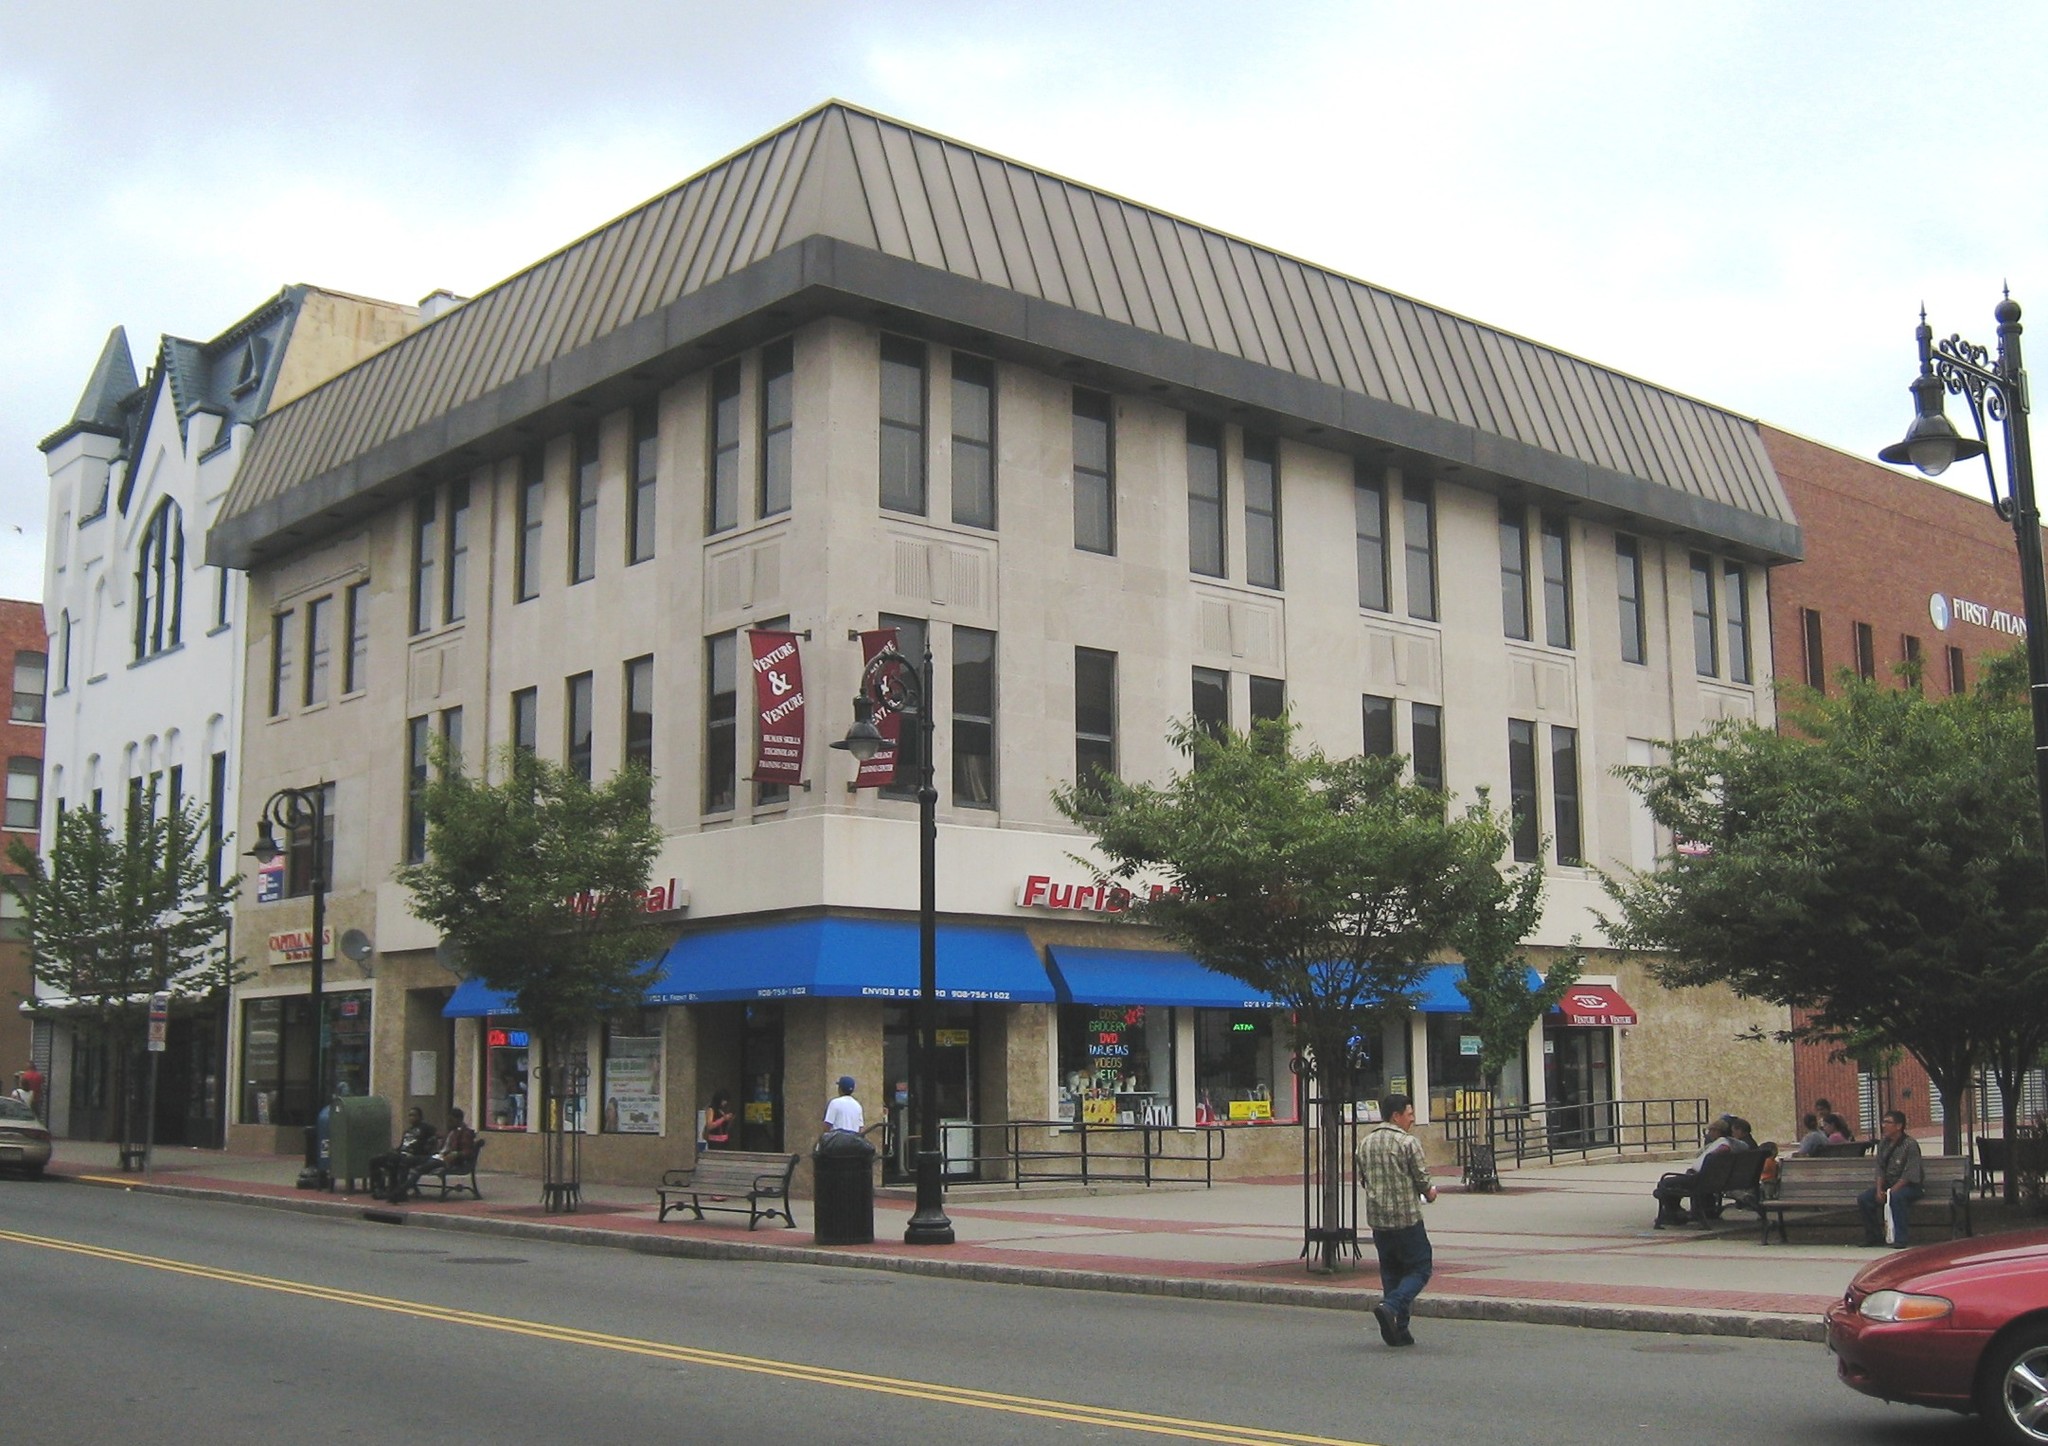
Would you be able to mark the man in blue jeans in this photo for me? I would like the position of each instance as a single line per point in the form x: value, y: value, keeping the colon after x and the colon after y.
x: 1390, y: 1165
x: 1900, y: 1176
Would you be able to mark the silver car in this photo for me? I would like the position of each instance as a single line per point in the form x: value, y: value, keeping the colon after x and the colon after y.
x: 24, y: 1142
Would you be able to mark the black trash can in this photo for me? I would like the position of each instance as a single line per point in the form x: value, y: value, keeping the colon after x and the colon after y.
x: 843, y: 1205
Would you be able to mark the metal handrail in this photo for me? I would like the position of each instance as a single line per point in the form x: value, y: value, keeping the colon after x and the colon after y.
x: 1070, y: 1151
x: 1520, y: 1133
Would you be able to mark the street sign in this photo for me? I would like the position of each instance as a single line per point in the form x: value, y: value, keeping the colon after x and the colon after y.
x: 159, y: 1021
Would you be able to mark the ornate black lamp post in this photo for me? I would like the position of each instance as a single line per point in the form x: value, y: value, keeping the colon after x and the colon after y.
x: 294, y: 810
x: 1996, y: 388
x: 891, y: 682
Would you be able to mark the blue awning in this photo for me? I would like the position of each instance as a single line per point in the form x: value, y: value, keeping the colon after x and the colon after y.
x: 1439, y: 993
x: 1147, y: 976
x: 849, y: 959
x: 473, y: 999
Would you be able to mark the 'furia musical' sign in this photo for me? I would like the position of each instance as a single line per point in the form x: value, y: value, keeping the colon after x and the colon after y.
x: 1944, y: 610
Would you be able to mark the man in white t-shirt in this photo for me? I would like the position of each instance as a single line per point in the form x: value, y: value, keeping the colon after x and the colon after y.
x: 844, y: 1113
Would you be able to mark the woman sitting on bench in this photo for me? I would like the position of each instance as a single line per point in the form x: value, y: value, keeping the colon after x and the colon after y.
x: 456, y: 1148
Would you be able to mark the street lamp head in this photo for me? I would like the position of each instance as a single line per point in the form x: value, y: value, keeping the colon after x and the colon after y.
x: 1931, y: 443
x: 863, y: 740
x: 265, y: 849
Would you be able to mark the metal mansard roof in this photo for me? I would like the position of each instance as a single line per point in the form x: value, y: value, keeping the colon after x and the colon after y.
x: 845, y: 208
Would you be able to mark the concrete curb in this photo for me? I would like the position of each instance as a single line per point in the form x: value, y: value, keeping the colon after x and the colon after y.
x: 1595, y: 1316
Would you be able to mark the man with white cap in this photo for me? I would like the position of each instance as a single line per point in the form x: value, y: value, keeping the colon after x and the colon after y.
x: 844, y: 1113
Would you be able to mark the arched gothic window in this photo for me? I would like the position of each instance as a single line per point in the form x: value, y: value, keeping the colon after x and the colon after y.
x: 160, y: 582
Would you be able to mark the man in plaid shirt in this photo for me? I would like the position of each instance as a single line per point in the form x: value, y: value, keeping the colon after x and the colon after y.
x: 1390, y: 1165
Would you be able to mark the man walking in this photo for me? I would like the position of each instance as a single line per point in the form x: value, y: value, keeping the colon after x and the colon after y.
x: 1900, y: 1177
x: 1390, y: 1164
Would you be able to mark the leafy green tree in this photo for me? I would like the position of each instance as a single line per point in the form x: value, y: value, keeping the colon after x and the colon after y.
x: 1879, y: 863
x: 113, y: 917
x: 1327, y: 883
x: 1489, y: 936
x: 536, y: 881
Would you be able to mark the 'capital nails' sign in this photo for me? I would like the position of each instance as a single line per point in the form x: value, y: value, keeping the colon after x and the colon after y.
x: 1038, y: 891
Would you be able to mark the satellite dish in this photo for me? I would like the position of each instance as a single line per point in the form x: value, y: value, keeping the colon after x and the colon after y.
x: 356, y: 945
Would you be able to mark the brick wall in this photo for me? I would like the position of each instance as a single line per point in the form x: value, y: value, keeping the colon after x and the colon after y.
x: 21, y: 631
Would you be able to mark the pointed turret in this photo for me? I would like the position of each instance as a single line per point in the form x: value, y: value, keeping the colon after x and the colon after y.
x: 99, y: 409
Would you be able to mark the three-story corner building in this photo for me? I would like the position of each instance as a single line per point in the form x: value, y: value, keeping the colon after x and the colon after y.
x: 144, y: 657
x: 1115, y: 469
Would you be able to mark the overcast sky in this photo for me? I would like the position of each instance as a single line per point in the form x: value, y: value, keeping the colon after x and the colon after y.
x: 1746, y: 202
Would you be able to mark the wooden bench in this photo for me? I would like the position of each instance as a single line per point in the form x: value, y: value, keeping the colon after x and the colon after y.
x: 1727, y: 1177
x: 736, y: 1180
x: 452, y: 1178
x: 1829, y: 1185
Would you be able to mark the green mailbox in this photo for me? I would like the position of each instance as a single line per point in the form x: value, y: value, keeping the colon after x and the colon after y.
x: 359, y: 1130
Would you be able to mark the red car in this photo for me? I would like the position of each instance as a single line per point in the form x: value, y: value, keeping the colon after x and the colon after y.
x: 1963, y: 1325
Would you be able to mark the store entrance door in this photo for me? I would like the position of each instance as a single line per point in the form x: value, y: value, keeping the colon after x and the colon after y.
x: 1578, y: 1081
x: 761, y: 1116
x: 953, y: 1072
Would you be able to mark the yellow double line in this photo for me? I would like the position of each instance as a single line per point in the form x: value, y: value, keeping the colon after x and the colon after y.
x: 1049, y: 1410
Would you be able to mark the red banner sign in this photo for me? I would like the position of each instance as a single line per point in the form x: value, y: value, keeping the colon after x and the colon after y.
x: 880, y: 771
x: 779, y: 695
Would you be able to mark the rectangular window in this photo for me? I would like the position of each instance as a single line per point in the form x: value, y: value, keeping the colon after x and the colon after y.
x: 301, y: 857
x: 1706, y: 643
x: 526, y: 719
x: 1866, y: 653
x: 1426, y: 744
x: 646, y: 461
x: 426, y: 551
x: 911, y: 634
x: 1379, y: 727
x: 1094, y: 474
x: 1735, y: 587
x: 1269, y: 699
x: 974, y: 717
x: 355, y: 606
x: 1522, y: 806
x: 533, y: 478
x: 455, y: 583
x: 1369, y: 505
x: 721, y: 722
x: 216, y: 814
x: 1418, y: 541
x: 1514, y: 571
x: 579, y: 732
x: 1094, y: 717
x: 1261, y: 511
x: 974, y: 441
x: 1909, y: 650
x: 903, y: 425
x: 640, y: 712
x: 1564, y: 795
x: 319, y: 647
x: 451, y: 735
x: 1628, y: 573
x: 1205, y: 498
x: 1816, y: 659
x: 1957, y: 684
x: 280, y: 662
x: 31, y: 681
x: 418, y: 740
x: 25, y: 794
x: 722, y: 488
x: 1557, y: 581
x: 778, y: 424
x: 583, y: 508
x: 1212, y: 700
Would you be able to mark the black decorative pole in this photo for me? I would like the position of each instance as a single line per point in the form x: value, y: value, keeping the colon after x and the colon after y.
x: 1996, y: 388
x: 294, y: 809
x: 891, y: 681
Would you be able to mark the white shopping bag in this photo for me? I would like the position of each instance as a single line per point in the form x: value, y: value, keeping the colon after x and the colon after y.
x: 1891, y: 1221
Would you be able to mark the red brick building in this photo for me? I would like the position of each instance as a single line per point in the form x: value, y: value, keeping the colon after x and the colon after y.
x: 22, y: 644
x: 1896, y: 567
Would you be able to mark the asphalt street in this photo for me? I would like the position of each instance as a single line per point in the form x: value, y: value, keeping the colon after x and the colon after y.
x: 144, y: 1318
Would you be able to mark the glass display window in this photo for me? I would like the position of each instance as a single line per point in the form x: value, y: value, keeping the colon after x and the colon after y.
x: 508, y: 1057
x: 1453, y: 1055
x: 1116, y: 1064
x: 632, y: 1073
x: 1242, y: 1073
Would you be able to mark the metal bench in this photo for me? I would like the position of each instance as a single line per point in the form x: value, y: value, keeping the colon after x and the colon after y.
x: 1829, y: 1186
x: 452, y: 1177
x: 742, y: 1181
x: 1726, y: 1177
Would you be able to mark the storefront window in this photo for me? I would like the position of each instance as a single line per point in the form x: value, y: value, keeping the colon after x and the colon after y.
x: 632, y: 1073
x: 1454, y: 1067
x: 761, y: 1068
x: 1116, y: 1064
x: 507, y: 1063
x: 1241, y: 1067
x: 277, y: 1055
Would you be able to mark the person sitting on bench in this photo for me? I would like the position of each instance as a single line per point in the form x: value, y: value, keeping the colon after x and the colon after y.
x: 456, y: 1148
x: 414, y: 1146
x: 1683, y: 1185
